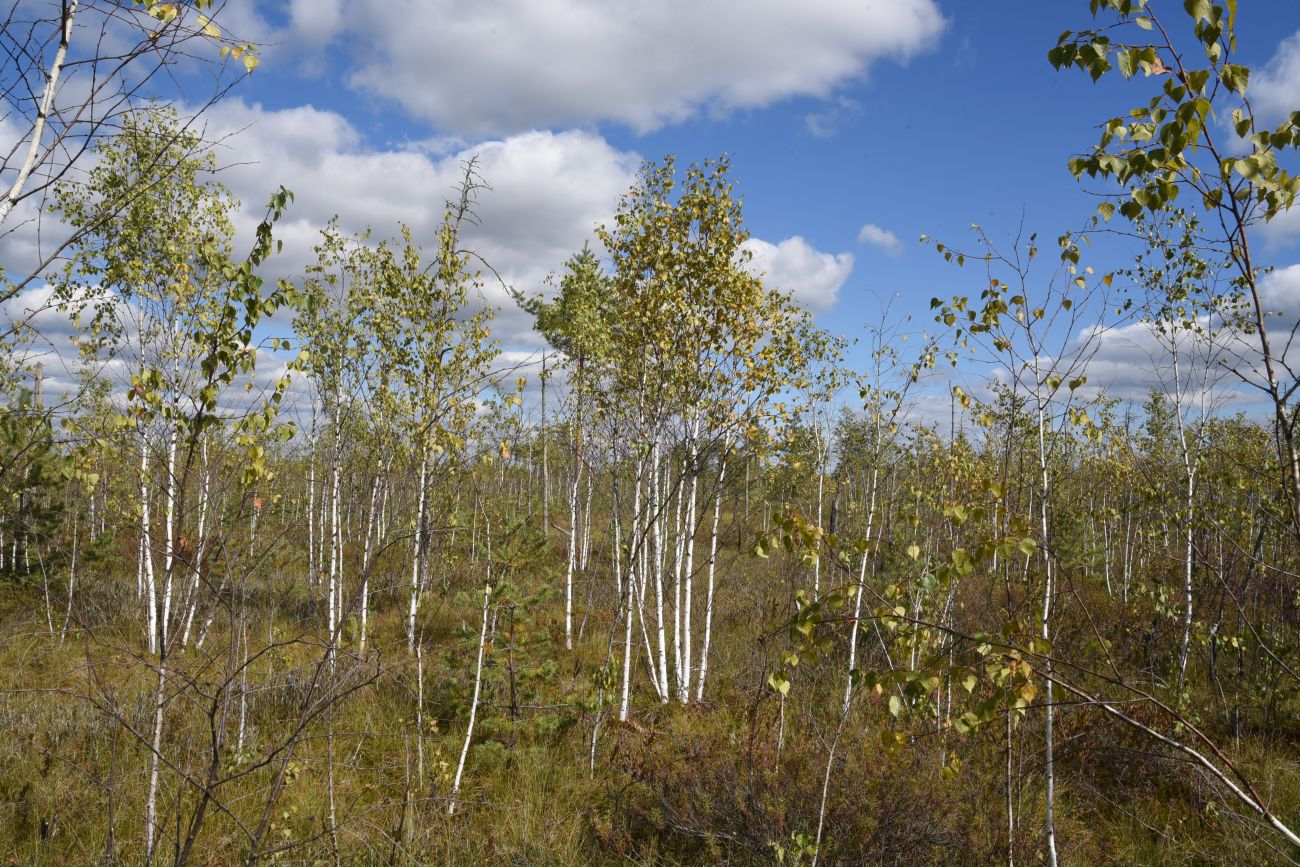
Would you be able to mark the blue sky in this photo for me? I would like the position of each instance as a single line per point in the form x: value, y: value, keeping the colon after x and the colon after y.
x: 908, y: 116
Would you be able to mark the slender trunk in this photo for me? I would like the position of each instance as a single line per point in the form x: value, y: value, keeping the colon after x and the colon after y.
x: 72, y: 581
x: 365, y: 562
x: 243, y: 680
x: 329, y: 784
x: 313, y: 569
x: 1189, y: 505
x: 656, y: 517
x: 627, y: 591
x: 821, y: 489
x: 200, y: 547
x: 586, y: 524
x: 473, y: 707
x: 679, y: 551
x: 417, y: 554
x: 688, y: 591
x: 146, y: 546
x: 1049, y: 764
x: 419, y: 714
x: 153, y: 831
x: 708, y: 597
x: 15, y: 192
x: 573, y: 550
x: 169, y: 556
x: 336, y: 540
x: 857, y: 596
x: 546, y: 475
x: 1105, y: 543
x: 1011, y: 812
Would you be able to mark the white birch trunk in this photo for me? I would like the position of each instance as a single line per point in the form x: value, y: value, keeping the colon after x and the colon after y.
x: 151, y: 826
x: 586, y: 525
x: 169, y: 556
x: 72, y: 579
x: 1189, y: 503
x: 688, y: 591
x: 200, y: 547
x: 365, y: 563
x: 628, y: 591
x: 336, y: 545
x: 51, y: 87
x: 708, y: 597
x: 313, y: 570
x: 146, y: 546
x: 417, y: 554
x: 1049, y: 764
x: 656, y: 517
x: 473, y: 707
x: 679, y: 542
x: 573, y: 556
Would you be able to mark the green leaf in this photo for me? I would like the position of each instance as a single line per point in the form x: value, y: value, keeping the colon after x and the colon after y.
x: 1126, y: 59
x: 1235, y: 77
x: 1200, y: 10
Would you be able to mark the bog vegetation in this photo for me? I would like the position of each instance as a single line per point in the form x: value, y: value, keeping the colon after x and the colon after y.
x: 305, y: 573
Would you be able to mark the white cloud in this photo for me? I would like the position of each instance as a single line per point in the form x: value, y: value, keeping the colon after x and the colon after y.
x: 20, y: 233
x: 1132, y: 359
x: 501, y: 66
x: 825, y: 123
x: 547, y: 190
x: 814, y: 278
x: 1283, y: 229
x: 1275, y: 88
x: 1279, y: 292
x: 1274, y: 93
x: 883, y: 239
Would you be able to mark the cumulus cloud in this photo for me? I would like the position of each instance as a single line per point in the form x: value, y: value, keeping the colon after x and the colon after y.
x: 1133, y: 358
x: 1279, y: 291
x: 1275, y: 87
x: 545, y: 190
x: 814, y: 278
x: 1274, y: 94
x: 20, y: 234
x: 882, y: 239
x: 1282, y: 230
x: 503, y: 66
x: 49, y: 340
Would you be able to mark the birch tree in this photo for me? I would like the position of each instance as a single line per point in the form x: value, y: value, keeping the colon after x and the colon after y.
x: 577, y: 324
x: 703, y: 349
x: 163, y: 298
x: 1171, y: 143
